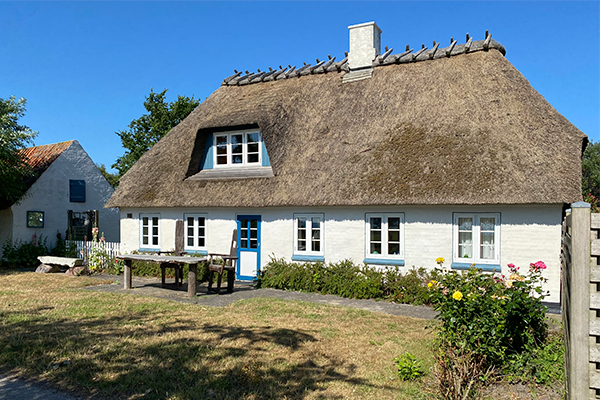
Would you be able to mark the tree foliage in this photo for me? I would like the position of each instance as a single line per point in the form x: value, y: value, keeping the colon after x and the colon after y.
x: 590, y: 170
x: 145, y: 131
x: 113, y: 179
x: 14, y: 171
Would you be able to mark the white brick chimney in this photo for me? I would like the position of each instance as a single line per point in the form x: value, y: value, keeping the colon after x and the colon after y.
x: 365, y: 45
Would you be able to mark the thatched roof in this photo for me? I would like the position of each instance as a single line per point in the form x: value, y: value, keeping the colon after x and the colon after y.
x: 466, y: 129
x: 387, y: 58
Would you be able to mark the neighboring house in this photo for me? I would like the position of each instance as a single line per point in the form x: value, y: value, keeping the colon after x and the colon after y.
x: 386, y: 159
x: 66, y: 179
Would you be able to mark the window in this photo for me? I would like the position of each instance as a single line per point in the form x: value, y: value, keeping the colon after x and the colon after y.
x: 308, y: 237
x: 385, y: 239
x: 77, y: 191
x: 35, y: 219
x: 241, y: 148
x: 195, y: 231
x: 149, y: 231
x: 477, y: 240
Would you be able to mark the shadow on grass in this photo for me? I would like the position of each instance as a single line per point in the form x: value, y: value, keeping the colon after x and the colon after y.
x: 133, y: 356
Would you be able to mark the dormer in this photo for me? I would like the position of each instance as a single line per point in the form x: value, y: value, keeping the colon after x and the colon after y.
x: 234, y: 153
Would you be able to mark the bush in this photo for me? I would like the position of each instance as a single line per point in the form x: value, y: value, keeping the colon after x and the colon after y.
x: 543, y: 364
x: 492, y: 316
x: 410, y: 287
x: 488, y: 322
x: 22, y: 254
x: 347, y: 279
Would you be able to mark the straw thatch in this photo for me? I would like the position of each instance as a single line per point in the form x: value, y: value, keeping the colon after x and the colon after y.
x: 331, y: 65
x: 467, y: 129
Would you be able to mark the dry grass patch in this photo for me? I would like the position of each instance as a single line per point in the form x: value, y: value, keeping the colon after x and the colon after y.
x: 125, y: 346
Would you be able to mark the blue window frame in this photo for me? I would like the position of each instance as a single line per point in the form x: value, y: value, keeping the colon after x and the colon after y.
x: 384, y: 238
x: 308, y: 237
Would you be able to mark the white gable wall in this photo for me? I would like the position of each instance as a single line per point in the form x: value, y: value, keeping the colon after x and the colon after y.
x: 50, y: 194
x: 528, y: 233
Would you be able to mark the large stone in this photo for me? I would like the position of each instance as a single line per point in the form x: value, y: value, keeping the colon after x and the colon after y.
x: 66, y: 261
x: 76, y: 271
x: 46, y: 269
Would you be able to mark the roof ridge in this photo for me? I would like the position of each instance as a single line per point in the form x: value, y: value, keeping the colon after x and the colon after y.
x: 51, y: 144
x: 323, y: 67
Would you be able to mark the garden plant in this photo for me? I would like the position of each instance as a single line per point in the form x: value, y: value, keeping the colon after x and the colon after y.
x: 488, y: 324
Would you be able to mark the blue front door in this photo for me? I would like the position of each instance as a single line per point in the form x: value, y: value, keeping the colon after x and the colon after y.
x: 248, y: 251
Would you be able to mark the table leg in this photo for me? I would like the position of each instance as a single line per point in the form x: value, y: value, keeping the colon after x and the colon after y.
x: 192, y: 280
x: 127, y: 277
x: 230, y: 280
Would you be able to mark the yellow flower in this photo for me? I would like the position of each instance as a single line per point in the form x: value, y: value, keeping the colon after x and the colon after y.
x: 439, y: 260
x: 457, y: 295
x: 509, y: 283
x: 432, y: 284
x: 517, y: 277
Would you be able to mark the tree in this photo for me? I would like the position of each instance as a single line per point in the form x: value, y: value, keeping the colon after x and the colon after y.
x: 144, y: 132
x: 590, y: 170
x: 113, y: 179
x: 14, y: 171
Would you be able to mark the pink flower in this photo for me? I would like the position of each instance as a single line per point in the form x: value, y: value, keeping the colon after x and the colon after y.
x: 540, y: 265
x: 511, y: 266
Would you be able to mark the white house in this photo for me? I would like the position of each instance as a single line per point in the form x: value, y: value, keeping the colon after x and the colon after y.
x: 66, y: 179
x: 385, y: 159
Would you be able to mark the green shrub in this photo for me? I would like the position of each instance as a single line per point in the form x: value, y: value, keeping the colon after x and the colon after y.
x: 489, y: 324
x: 22, y: 254
x: 543, y: 364
x: 409, y: 368
x: 62, y: 248
x: 347, y: 279
x: 410, y: 287
x: 492, y: 316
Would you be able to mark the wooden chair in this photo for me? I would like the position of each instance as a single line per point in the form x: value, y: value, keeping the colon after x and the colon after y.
x: 229, y: 264
x: 179, y: 245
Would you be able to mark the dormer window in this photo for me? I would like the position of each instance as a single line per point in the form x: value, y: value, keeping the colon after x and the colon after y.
x: 234, y: 153
x: 240, y: 148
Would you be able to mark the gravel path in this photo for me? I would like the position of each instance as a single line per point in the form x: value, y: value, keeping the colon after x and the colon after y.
x: 12, y: 388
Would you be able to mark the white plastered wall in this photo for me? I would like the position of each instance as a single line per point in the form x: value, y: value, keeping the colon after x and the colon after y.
x: 528, y: 233
x: 50, y: 194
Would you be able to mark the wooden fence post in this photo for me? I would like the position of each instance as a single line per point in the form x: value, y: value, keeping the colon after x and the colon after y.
x: 576, y: 301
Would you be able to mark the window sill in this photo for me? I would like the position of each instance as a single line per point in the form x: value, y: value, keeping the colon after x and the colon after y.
x: 201, y: 252
x: 483, y: 267
x: 227, y: 173
x: 384, y: 261
x: 308, y: 258
x: 149, y: 249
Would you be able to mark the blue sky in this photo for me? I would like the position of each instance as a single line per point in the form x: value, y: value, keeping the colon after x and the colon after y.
x: 86, y: 67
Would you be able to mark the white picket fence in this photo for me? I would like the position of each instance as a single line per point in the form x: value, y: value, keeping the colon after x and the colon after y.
x: 84, y: 249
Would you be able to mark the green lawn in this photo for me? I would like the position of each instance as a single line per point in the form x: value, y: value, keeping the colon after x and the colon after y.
x: 122, y: 346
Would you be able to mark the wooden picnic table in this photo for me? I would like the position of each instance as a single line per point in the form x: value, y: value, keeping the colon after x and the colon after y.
x: 191, y: 261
